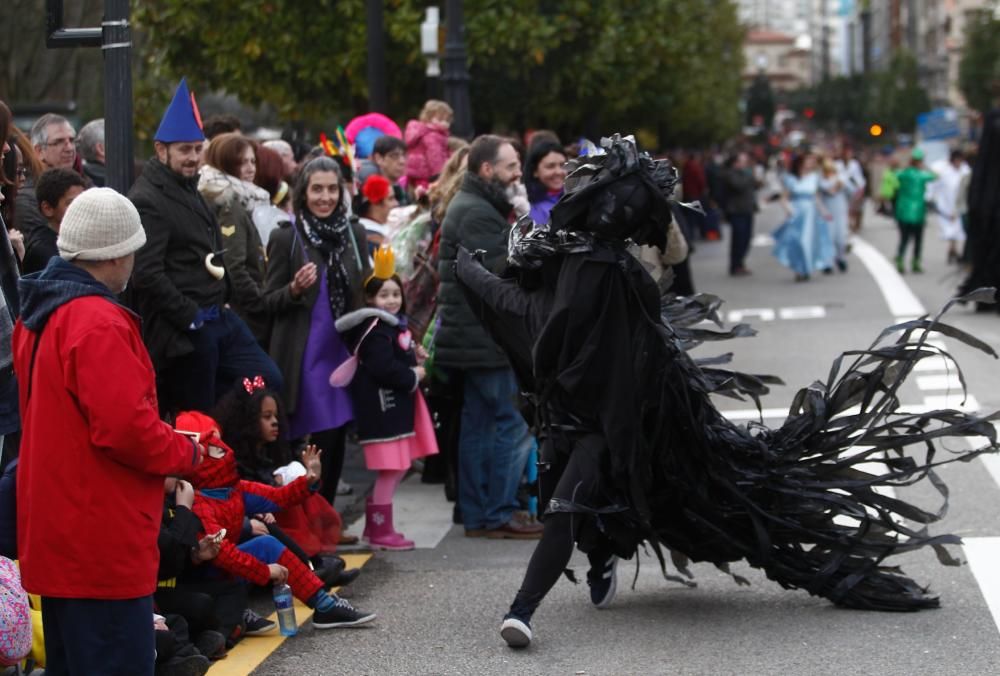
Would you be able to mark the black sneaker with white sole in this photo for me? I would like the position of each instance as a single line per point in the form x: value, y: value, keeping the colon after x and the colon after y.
x: 515, y: 631
x: 343, y: 614
x: 603, y: 581
x: 257, y: 625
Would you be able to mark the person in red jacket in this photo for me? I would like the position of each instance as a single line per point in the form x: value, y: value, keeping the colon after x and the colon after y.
x: 94, y: 452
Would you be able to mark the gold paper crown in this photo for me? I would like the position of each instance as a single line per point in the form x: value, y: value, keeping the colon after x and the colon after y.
x: 385, y: 264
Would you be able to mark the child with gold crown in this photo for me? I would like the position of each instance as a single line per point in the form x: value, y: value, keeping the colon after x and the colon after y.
x: 393, y: 421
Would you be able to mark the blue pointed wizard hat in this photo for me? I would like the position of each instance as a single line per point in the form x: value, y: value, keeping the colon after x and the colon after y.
x: 182, y: 121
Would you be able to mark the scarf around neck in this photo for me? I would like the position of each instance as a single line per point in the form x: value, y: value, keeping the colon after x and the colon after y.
x: 330, y: 237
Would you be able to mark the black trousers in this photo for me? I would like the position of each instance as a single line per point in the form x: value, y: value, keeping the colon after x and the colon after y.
x: 197, y: 608
x: 333, y: 443
x: 564, y: 481
x: 910, y: 232
x: 739, y: 245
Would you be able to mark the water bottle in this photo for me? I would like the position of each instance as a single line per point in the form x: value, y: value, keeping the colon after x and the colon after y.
x: 285, y: 605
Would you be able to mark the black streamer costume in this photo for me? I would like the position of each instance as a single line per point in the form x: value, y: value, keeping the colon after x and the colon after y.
x: 633, y: 450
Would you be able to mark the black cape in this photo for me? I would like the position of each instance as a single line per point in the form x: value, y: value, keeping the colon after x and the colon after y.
x: 586, y: 334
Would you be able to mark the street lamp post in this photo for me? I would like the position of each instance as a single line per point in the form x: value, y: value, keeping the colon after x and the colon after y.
x: 115, y: 40
x: 429, y: 47
x: 456, y: 72
x: 378, y: 98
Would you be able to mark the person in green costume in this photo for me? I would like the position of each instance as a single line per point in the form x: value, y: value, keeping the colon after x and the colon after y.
x: 911, y: 210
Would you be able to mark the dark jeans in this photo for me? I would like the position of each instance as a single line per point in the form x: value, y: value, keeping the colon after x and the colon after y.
x: 739, y: 245
x: 224, y: 352
x: 494, y: 443
x: 908, y: 232
x: 96, y: 637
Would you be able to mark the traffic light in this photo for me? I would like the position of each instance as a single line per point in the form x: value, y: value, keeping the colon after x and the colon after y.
x: 809, y: 113
x: 875, y: 130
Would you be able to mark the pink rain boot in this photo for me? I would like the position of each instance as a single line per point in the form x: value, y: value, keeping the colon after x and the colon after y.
x: 381, y: 534
x: 367, y: 531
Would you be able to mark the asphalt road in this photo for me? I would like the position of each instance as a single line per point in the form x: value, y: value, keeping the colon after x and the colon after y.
x: 440, y: 607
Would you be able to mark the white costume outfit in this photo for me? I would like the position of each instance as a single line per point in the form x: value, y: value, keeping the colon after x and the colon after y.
x: 945, y: 195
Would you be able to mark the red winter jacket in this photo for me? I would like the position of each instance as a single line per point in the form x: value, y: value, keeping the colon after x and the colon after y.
x: 94, y: 451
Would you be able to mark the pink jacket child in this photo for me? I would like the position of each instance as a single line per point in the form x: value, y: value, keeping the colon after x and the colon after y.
x: 427, y: 143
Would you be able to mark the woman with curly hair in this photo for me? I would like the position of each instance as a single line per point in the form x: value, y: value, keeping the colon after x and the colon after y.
x: 252, y: 420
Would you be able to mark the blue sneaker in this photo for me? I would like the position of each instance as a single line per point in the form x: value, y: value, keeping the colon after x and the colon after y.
x: 603, y: 582
x: 516, y: 632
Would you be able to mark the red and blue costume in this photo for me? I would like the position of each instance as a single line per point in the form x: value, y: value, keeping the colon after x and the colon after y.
x: 222, y: 500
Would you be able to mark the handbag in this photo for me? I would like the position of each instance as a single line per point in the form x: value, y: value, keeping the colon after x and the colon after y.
x: 344, y: 374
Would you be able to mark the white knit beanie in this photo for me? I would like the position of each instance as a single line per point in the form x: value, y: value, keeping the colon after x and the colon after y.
x: 100, y: 224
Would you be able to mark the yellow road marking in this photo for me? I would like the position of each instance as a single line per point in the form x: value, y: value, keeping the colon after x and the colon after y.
x: 251, y: 652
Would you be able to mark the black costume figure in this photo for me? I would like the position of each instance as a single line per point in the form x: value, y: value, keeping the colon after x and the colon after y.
x: 982, y: 248
x: 633, y: 449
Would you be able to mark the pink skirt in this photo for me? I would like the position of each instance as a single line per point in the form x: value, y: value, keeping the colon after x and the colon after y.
x: 400, y: 453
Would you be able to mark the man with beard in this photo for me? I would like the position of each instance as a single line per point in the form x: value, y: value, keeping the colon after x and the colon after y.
x: 494, y: 441
x: 199, y: 346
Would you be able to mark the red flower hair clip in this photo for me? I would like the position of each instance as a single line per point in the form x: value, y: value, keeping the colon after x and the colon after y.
x: 252, y: 386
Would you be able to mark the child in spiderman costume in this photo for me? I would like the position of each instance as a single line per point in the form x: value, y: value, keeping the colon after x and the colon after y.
x: 223, y: 499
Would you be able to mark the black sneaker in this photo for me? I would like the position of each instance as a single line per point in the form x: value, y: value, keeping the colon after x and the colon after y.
x: 257, y: 625
x: 603, y: 582
x: 192, y: 665
x: 211, y: 644
x: 515, y: 631
x: 343, y: 614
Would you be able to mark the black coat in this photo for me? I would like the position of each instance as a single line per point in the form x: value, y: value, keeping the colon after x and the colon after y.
x: 178, y: 536
x: 384, y: 385
x: 246, y: 265
x: 170, y: 279
x: 27, y: 216
x: 288, y: 249
x: 476, y: 219
x: 39, y: 247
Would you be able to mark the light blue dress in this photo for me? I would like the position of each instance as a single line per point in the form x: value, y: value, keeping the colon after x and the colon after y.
x: 803, y: 242
x: 836, y: 202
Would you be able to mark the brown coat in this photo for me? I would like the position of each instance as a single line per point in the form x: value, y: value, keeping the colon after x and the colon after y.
x: 287, y: 251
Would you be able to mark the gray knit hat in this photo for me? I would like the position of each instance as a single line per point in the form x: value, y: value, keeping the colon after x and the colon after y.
x: 100, y: 225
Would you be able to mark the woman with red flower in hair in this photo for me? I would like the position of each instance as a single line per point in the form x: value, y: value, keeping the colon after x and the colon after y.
x: 377, y: 200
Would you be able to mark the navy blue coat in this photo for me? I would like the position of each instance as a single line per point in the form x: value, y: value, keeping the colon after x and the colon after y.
x: 384, y: 386
x: 8, y: 511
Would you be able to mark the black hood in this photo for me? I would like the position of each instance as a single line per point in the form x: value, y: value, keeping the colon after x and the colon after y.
x: 42, y: 293
x: 621, y: 194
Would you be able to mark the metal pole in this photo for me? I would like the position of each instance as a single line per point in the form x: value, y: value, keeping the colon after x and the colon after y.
x: 115, y: 39
x: 57, y: 36
x: 456, y: 72
x: 378, y: 98
x: 117, y: 48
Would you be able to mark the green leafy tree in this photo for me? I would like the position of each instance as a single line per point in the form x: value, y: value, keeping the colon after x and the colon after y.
x: 979, y: 69
x: 574, y: 65
x: 893, y: 98
x: 897, y: 95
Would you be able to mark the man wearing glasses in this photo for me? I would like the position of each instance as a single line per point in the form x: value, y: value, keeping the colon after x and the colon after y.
x: 54, y: 140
